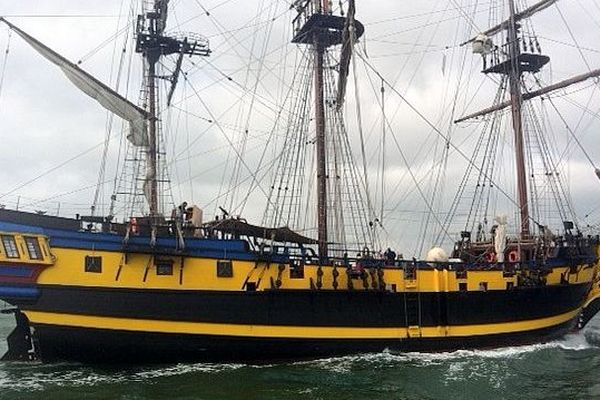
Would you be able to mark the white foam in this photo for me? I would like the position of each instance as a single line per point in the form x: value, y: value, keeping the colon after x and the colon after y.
x: 182, y: 369
x: 571, y: 342
x: 491, y: 365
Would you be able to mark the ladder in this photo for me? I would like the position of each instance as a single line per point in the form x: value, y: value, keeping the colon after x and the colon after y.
x: 412, y: 308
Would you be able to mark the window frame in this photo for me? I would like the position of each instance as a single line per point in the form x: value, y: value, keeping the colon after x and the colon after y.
x: 37, y: 247
x: 224, y: 269
x: 164, y: 267
x: 13, y: 242
x: 93, y: 264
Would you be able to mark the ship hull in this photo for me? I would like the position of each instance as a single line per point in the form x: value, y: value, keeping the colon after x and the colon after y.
x: 221, y: 301
x: 357, y: 309
x: 110, y: 325
x: 59, y: 343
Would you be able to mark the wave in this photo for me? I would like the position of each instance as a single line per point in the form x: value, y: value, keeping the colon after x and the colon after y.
x: 571, y: 342
x: 34, y: 376
x: 490, y: 364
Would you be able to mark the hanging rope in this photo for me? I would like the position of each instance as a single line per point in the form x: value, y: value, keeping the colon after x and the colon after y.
x: 438, y: 132
x: 361, y: 134
x: 4, y: 62
x: 110, y: 119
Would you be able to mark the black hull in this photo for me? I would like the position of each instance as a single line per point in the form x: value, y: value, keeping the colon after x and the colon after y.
x: 104, y: 325
x: 358, y: 308
x: 57, y: 343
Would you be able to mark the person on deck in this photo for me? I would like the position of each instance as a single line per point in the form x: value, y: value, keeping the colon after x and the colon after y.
x: 390, y: 256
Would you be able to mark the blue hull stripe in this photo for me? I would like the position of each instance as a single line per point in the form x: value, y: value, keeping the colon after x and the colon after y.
x: 19, y: 292
x: 21, y: 272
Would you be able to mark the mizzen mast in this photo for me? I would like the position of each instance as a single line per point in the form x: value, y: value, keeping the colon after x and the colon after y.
x: 152, y: 43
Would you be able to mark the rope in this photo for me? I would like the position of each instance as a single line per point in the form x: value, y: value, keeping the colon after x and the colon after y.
x: 5, y: 61
x: 110, y: 119
x: 438, y: 132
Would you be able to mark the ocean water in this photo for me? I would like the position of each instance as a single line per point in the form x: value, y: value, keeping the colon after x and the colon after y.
x: 568, y: 368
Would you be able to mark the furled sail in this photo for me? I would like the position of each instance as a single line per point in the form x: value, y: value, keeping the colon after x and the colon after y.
x: 348, y: 39
x: 108, y: 98
x: 527, y: 13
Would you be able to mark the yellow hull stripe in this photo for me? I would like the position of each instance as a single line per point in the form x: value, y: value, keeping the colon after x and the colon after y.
x: 302, y: 332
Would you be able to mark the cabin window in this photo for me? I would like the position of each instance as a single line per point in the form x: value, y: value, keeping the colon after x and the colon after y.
x: 33, y: 248
x: 224, y: 269
x: 164, y: 267
x: 462, y: 286
x: 93, y: 264
x: 10, y: 246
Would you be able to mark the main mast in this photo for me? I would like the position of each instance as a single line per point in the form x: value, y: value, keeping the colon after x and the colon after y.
x: 316, y: 26
x: 319, y: 50
x: 517, y: 118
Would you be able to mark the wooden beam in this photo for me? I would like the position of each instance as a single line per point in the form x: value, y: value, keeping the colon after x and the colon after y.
x: 536, y: 93
x: 534, y: 9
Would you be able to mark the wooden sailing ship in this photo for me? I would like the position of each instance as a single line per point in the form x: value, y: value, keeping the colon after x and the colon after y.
x: 160, y: 289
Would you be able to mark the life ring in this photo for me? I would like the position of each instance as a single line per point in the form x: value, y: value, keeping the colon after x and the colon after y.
x: 513, y: 256
x: 490, y: 257
x: 133, y: 225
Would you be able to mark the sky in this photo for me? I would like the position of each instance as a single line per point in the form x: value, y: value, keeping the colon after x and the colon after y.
x: 53, y: 136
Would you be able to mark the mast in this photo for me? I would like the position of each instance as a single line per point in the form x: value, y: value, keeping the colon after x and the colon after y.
x: 517, y: 118
x: 319, y: 50
x: 514, y: 62
x: 153, y: 45
x: 317, y: 27
x: 151, y: 60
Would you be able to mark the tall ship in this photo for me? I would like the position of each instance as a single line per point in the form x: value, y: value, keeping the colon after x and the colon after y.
x: 162, y: 284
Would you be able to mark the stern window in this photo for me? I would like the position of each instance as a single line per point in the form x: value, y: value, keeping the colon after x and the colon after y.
x: 33, y: 248
x: 10, y: 246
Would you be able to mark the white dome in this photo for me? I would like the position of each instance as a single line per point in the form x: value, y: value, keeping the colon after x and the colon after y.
x: 436, y: 254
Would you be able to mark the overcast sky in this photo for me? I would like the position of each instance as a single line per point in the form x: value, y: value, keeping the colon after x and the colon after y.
x: 45, y: 121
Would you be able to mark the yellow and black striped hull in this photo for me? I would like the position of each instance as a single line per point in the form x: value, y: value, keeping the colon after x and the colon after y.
x: 99, y: 324
x: 99, y: 345
x: 219, y: 300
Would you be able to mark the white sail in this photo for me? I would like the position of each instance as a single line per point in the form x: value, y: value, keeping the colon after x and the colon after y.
x: 500, y: 237
x: 108, y: 98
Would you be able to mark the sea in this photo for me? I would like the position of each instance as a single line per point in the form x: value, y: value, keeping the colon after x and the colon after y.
x: 568, y: 368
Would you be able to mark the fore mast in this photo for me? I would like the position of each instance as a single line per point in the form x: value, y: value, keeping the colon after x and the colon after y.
x: 520, y: 53
x: 514, y: 73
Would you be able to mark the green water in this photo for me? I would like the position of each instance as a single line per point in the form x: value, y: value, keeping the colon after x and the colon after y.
x: 565, y: 369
